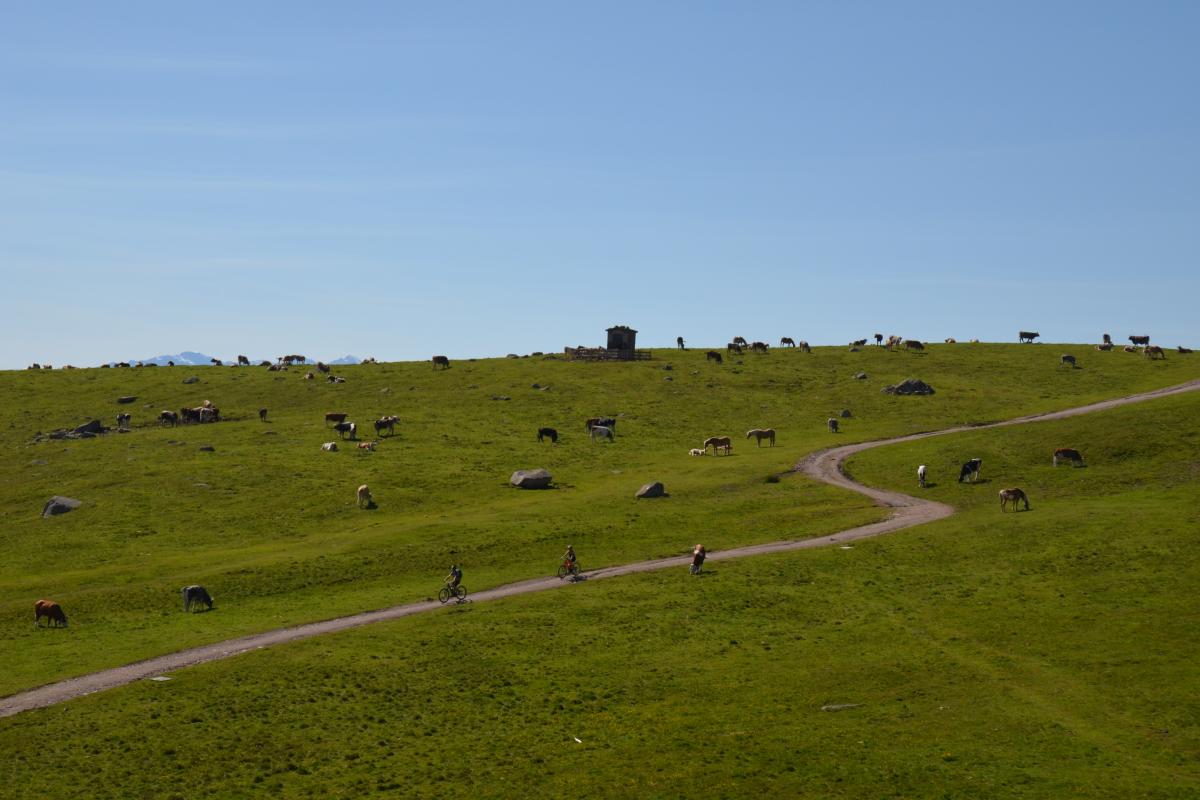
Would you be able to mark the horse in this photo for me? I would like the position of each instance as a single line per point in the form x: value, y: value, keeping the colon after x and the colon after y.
x: 679, y: 341
x: 921, y: 476
x: 52, y: 611
x: 786, y: 341
x: 733, y: 347
x: 601, y: 432
x: 1027, y: 336
x: 243, y: 361
x: 970, y: 470
x: 740, y: 341
x: 322, y: 367
x: 1139, y: 339
x: 913, y: 344
x: 1013, y: 496
x: 762, y: 433
x: 364, y: 497
x: 440, y: 361
x: 718, y: 443
x: 1154, y: 351
x: 833, y: 425
x: 803, y: 345
x: 216, y: 362
x: 386, y: 423
x: 1067, y: 452
x: 758, y: 347
x: 712, y: 355
x: 1067, y: 360
x: 335, y: 416
x: 262, y: 415
x: 548, y: 433
x: 195, y: 595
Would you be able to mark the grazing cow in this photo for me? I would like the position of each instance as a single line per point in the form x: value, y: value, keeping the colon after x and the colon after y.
x: 786, y: 341
x: 216, y: 362
x: 601, y: 432
x: 921, y: 476
x: 1183, y: 350
x: 970, y: 470
x: 894, y: 341
x: 718, y: 443
x: 1129, y: 348
x: 1107, y: 339
x: 329, y: 447
x: 548, y: 433
x: 713, y: 355
x: 168, y: 417
x: 1067, y: 452
x: 170, y: 363
x: 1027, y: 336
x: 951, y: 340
x: 679, y: 341
x: 733, y: 347
x: 441, y: 361
x: 1154, y: 351
x: 878, y: 338
x: 1067, y: 360
x: 1104, y: 348
x: 913, y: 344
x: 189, y: 414
x: 364, y: 497
x: 209, y: 414
x: 262, y: 415
x: 388, y: 424
x: 243, y: 361
x: 1139, y: 340
x: 833, y: 424
x: 322, y: 367
x: 52, y: 611
x: 335, y: 416
x: 367, y: 446
x: 347, y: 428
x: 1013, y: 496
x: 123, y: 420
x: 858, y: 343
x: 195, y: 595
x: 762, y: 433
x: 604, y: 422
x: 804, y: 348
x: 696, y: 451
x: 758, y: 347
x: 740, y: 341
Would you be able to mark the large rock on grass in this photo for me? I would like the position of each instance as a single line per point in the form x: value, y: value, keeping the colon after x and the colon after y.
x: 531, y: 479
x: 59, y: 505
x: 129, y: 398
x: 654, y: 489
x: 909, y: 386
x: 90, y: 427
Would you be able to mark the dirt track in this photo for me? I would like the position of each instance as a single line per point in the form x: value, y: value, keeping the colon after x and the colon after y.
x: 825, y: 465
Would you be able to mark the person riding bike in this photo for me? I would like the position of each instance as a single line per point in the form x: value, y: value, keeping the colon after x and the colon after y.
x: 698, y: 556
x: 569, y: 557
x: 455, y: 577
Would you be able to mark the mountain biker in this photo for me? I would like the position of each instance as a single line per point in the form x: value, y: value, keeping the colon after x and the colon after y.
x: 698, y: 556
x: 569, y: 557
x: 455, y: 577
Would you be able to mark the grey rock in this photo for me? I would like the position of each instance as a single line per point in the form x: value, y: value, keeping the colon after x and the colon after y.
x: 59, y: 505
x: 654, y: 489
x: 860, y: 376
x: 845, y: 413
x: 127, y: 399
x: 841, y: 706
x: 909, y: 386
x: 208, y: 448
x: 192, y: 379
x: 92, y: 427
x: 531, y: 479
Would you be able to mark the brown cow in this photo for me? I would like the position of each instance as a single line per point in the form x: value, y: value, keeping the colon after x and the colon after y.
x: 1154, y: 351
x: 364, y: 497
x: 337, y: 416
x: 51, y: 610
x: 441, y: 361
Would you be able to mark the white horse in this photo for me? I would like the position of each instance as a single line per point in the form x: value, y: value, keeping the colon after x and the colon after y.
x: 921, y: 476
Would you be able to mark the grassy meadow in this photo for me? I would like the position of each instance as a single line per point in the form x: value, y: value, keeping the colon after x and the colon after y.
x: 1033, y: 654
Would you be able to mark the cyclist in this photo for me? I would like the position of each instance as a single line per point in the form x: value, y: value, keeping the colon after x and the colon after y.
x: 569, y: 557
x: 454, y: 578
x: 698, y: 556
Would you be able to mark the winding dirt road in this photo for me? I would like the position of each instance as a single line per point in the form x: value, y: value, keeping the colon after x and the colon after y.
x: 825, y: 465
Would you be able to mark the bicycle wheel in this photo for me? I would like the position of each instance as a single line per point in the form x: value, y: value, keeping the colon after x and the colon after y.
x: 444, y: 594
x: 462, y: 593
x: 562, y: 572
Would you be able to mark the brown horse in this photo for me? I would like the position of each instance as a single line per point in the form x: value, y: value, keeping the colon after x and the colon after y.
x: 51, y: 610
x: 762, y: 433
x: 1154, y: 351
x: 718, y: 443
x: 712, y: 355
x: 1013, y: 496
x: 786, y: 341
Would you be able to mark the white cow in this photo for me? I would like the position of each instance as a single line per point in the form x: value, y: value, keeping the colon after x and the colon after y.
x: 329, y: 447
x: 921, y: 476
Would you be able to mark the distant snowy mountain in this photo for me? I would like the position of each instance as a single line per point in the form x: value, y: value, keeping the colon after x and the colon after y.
x: 347, y: 360
x: 187, y: 358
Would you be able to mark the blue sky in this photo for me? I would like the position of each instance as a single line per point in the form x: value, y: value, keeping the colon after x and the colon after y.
x: 398, y: 180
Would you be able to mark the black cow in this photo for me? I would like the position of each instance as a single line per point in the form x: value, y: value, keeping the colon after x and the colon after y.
x: 548, y: 433
x: 1027, y: 336
x: 347, y: 427
x: 1139, y: 339
x: 970, y: 470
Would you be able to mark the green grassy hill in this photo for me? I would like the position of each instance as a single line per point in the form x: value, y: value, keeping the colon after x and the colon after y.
x: 987, y: 650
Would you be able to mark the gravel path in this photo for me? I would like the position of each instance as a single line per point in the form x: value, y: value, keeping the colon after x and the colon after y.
x: 825, y: 465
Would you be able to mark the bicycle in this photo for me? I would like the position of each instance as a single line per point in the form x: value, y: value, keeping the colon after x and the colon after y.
x: 568, y: 568
x: 458, y: 593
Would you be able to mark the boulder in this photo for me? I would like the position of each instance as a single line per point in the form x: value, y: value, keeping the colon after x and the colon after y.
x: 655, y: 489
x: 192, y: 379
x: 531, y: 479
x: 845, y: 413
x: 127, y: 399
x: 90, y: 427
x: 909, y: 386
x: 860, y: 376
x: 207, y: 448
x: 59, y: 505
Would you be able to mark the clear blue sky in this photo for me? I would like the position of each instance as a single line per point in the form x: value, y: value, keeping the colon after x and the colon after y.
x: 402, y: 179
